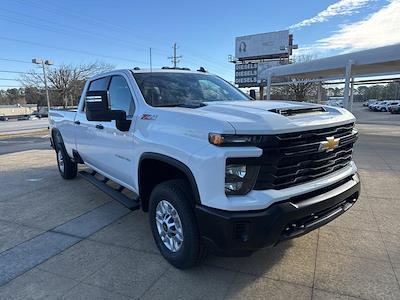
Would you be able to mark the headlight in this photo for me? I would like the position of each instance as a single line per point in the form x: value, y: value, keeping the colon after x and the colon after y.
x: 233, y: 140
x: 239, y: 178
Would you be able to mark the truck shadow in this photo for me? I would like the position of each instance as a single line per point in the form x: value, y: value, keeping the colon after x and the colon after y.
x: 258, y: 263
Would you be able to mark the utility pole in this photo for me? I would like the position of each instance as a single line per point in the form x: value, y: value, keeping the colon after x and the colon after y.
x: 44, y: 62
x: 175, y: 59
x: 151, y: 63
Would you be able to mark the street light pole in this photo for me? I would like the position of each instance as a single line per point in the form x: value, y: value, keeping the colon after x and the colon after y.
x: 44, y: 62
x: 45, y: 86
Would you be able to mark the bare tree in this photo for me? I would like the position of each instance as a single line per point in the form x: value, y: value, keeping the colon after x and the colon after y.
x: 65, y: 81
x: 300, y: 89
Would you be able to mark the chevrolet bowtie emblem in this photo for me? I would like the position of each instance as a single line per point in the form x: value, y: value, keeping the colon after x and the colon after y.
x: 329, y: 145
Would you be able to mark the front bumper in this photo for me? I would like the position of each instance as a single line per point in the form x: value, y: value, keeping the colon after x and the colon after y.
x: 240, y: 233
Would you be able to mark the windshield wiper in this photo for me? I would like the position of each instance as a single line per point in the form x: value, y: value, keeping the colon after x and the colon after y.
x: 187, y: 105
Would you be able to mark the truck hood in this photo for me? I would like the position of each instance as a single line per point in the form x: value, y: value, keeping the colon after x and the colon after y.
x: 263, y: 117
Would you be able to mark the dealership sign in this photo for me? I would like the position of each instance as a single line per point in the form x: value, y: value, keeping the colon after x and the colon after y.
x: 264, y: 45
x: 251, y: 74
x: 246, y: 74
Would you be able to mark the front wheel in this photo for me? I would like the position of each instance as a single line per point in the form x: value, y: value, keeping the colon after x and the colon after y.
x: 174, y: 225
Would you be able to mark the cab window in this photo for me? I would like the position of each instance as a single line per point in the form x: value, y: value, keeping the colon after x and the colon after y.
x: 99, y: 84
x: 120, y: 95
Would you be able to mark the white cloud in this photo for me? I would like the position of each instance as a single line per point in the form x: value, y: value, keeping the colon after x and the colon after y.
x: 379, y: 29
x: 340, y: 8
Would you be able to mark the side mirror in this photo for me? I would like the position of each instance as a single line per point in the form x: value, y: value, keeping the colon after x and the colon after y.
x: 253, y: 94
x: 97, y: 106
x: 97, y: 109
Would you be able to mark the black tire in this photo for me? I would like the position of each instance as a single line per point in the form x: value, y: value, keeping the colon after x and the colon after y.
x: 67, y: 168
x: 179, y: 195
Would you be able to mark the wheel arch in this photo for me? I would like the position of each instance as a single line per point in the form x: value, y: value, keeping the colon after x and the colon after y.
x: 166, y: 163
x: 54, y: 133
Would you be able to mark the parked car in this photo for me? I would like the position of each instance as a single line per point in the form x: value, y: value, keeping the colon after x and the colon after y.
x: 379, y: 106
x: 42, y: 112
x: 391, y: 104
x: 216, y: 170
x: 369, y: 102
x: 372, y: 103
x: 395, y: 109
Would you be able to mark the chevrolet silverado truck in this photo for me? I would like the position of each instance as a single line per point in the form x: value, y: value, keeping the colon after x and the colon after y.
x: 215, y: 170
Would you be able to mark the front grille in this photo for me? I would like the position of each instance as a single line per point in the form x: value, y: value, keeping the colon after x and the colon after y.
x: 294, y: 158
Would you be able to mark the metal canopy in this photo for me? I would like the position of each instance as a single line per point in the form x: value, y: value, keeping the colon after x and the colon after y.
x: 372, y: 62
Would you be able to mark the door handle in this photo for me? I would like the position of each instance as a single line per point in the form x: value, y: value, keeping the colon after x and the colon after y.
x: 99, y: 126
x: 77, y: 122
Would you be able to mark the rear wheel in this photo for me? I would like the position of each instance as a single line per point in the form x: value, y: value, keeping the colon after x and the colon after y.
x: 174, y: 225
x: 67, y: 168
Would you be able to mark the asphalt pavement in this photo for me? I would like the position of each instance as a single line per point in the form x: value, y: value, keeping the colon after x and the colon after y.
x: 65, y: 239
x: 15, y: 127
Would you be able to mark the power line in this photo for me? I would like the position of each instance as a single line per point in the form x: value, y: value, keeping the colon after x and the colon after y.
x: 17, y: 72
x: 70, y: 50
x: 92, y: 34
x: 52, y: 8
x: 78, y: 30
x: 97, y: 20
x: 16, y: 60
x: 11, y: 79
x: 84, y: 33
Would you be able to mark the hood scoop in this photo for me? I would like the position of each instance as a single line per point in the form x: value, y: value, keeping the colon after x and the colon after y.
x: 287, y: 112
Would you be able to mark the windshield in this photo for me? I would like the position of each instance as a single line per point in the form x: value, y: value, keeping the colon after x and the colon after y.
x: 185, y: 89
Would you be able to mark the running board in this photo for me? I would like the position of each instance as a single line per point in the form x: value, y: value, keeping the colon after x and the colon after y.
x: 116, y: 194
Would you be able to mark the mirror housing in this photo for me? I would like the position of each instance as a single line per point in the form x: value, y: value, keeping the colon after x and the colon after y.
x: 253, y: 94
x: 97, y: 109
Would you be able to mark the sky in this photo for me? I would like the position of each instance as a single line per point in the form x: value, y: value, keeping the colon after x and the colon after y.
x: 121, y: 32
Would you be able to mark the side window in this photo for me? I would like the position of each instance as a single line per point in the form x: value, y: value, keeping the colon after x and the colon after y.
x: 120, y: 95
x: 99, y: 84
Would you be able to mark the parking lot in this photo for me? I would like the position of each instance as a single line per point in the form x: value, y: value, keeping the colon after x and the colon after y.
x: 67, y: 239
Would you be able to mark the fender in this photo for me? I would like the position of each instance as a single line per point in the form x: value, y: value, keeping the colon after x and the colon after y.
x: 177, y: 164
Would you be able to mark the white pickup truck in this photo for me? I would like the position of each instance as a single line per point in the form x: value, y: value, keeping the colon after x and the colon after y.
x: 215, y: 169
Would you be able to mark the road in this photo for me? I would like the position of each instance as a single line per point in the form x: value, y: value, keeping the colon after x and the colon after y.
x: 24, y: 143
x: 13, y: 127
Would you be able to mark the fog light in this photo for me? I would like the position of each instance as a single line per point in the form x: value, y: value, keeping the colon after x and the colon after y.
x: 239, y: 179
x: 235, y: 171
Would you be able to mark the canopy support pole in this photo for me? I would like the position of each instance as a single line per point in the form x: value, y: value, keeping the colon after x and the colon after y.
x: 347, y: 78
x: 269, y: 81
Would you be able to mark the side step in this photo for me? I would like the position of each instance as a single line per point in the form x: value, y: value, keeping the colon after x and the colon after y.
x: 116, y: 194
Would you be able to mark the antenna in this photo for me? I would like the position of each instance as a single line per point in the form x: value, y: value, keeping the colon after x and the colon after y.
x: 175, y: 59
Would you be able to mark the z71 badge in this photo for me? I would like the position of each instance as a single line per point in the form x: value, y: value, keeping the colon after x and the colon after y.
x: 148, y: 117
